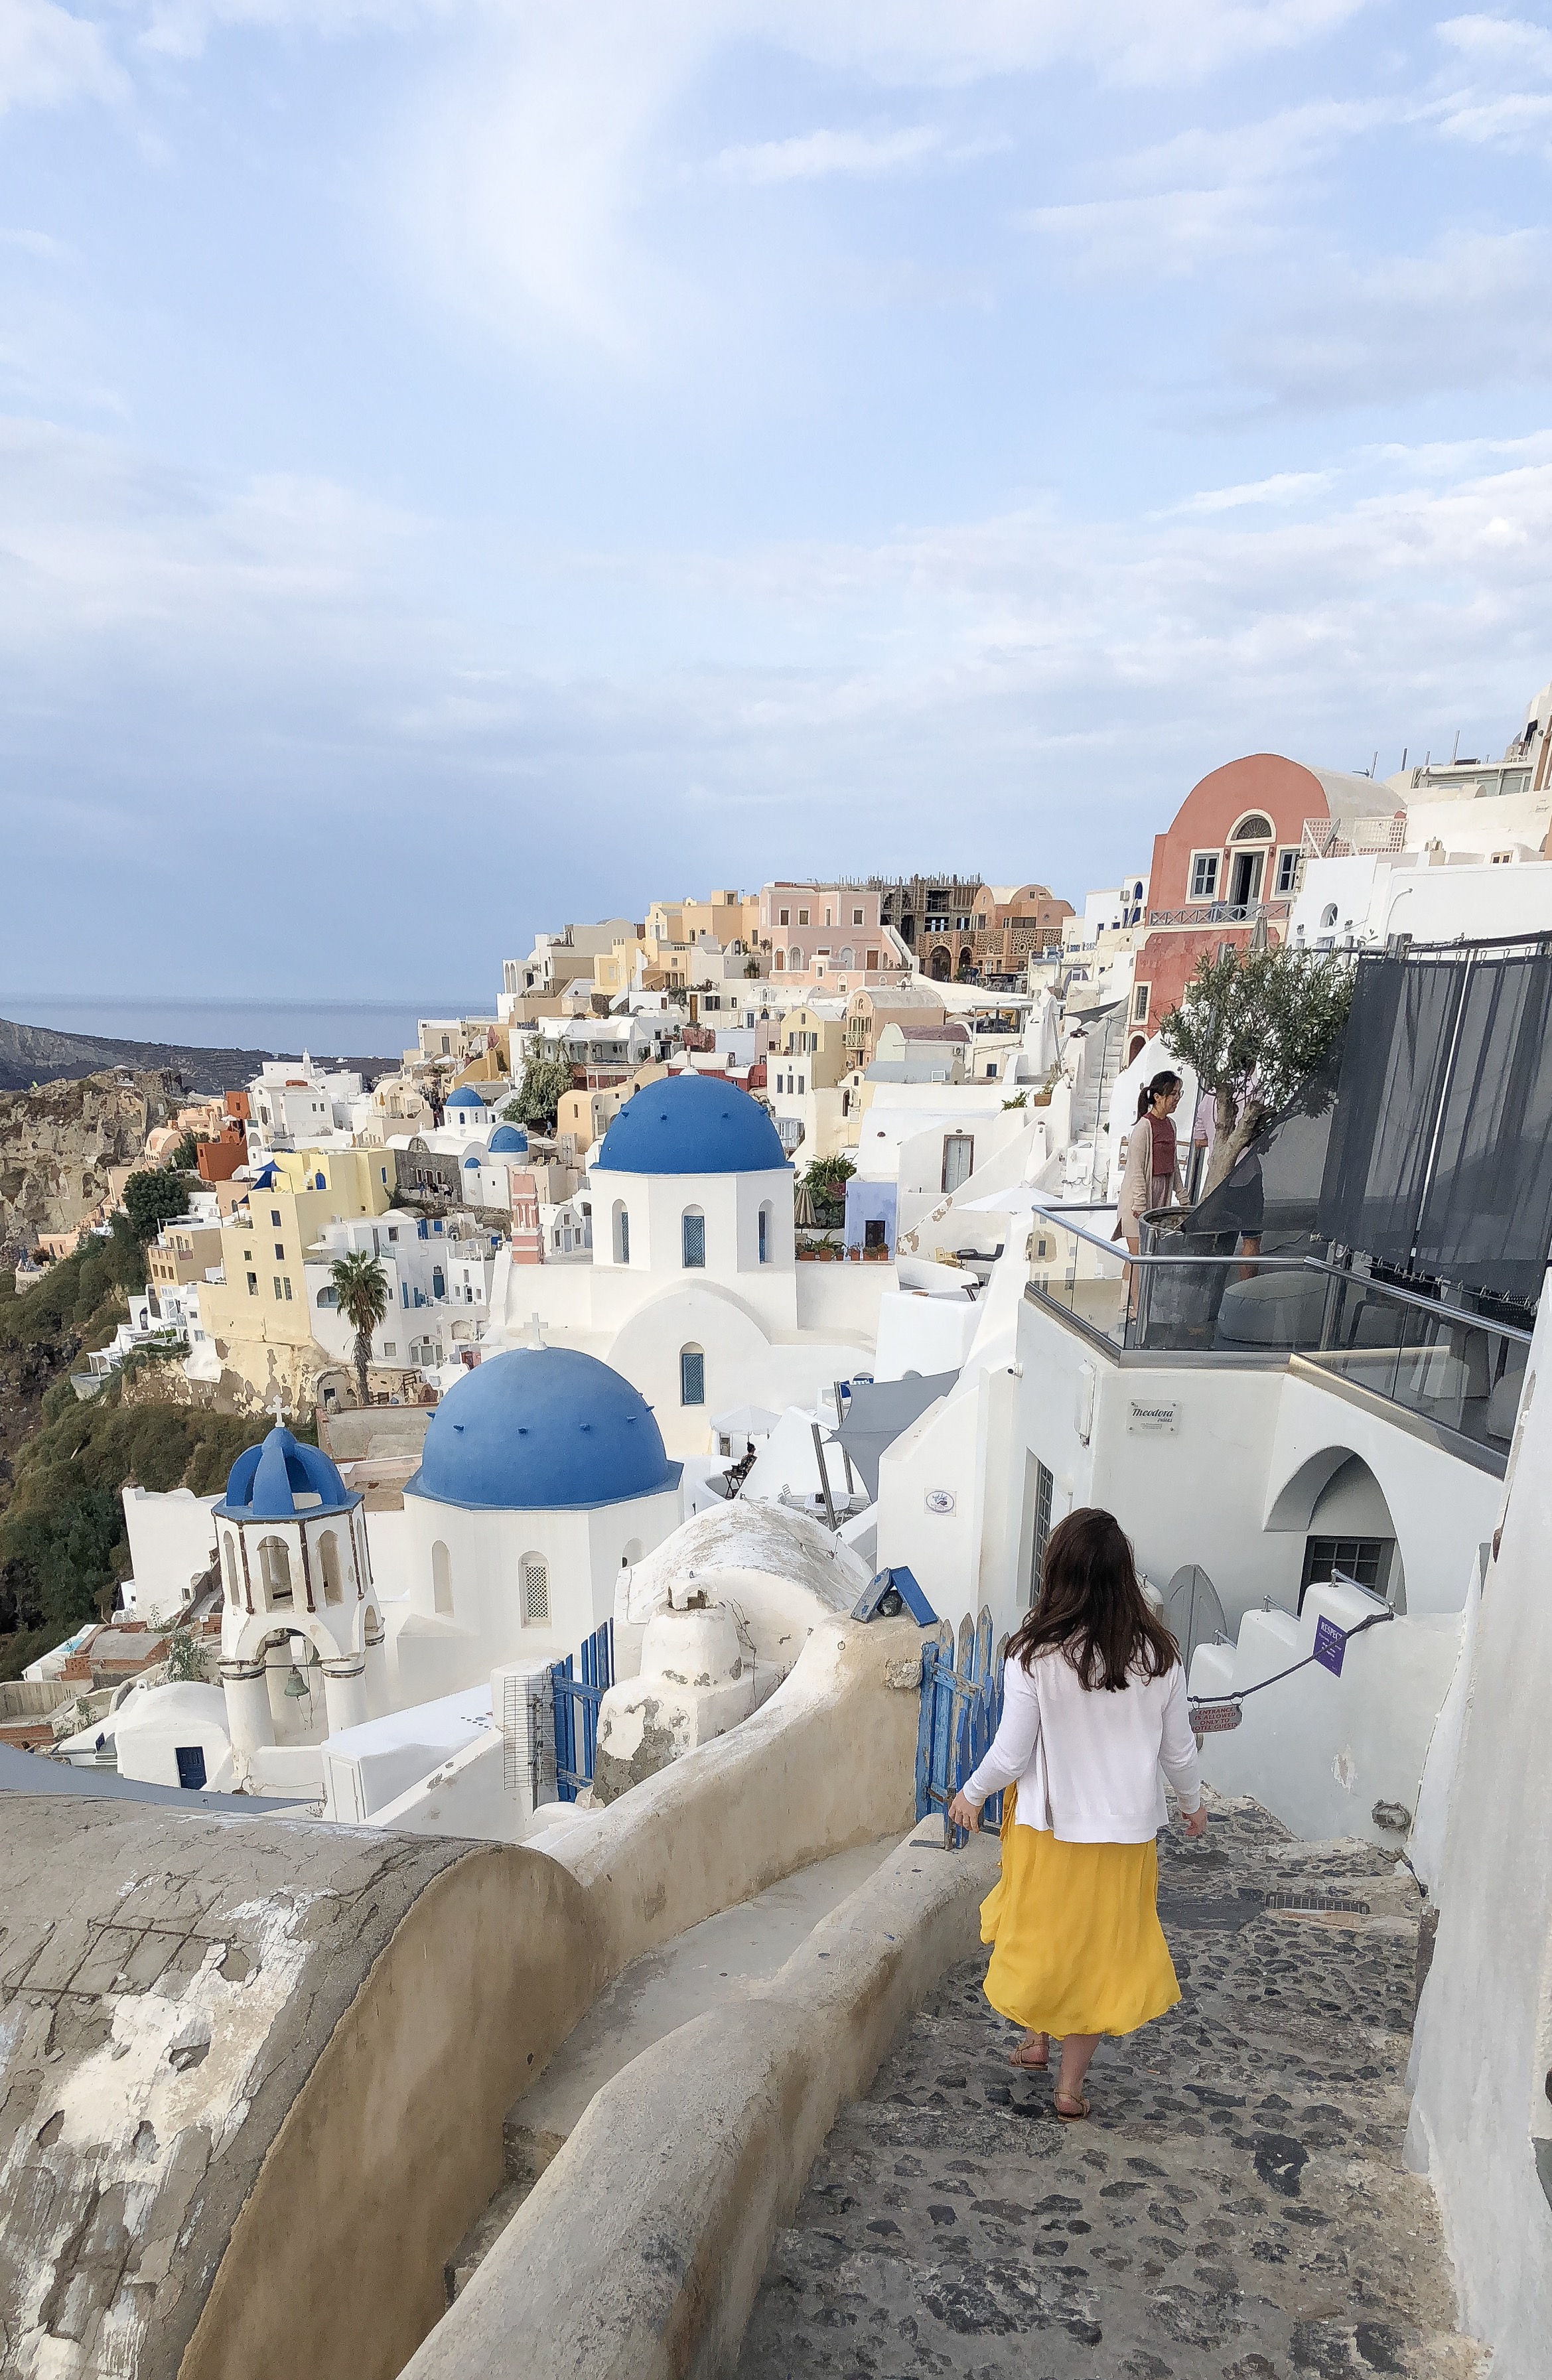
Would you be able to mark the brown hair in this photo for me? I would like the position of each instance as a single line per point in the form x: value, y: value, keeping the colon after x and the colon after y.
x: 1091, y: 1608
x: 1160, y: 1086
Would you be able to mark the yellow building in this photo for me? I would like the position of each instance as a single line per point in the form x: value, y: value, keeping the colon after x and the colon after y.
x: 814, y: 1044
x: 262, y: 1302
x: 614, y: 969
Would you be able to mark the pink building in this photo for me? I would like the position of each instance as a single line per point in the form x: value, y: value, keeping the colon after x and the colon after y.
x: 828, y: 935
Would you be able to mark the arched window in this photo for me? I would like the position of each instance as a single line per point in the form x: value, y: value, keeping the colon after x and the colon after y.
x: 328, y: 1555
x: 765, y: 1233
x: 275, y: 1568
x: 693, y: 1238
x: 795, y: 958
x: 692, y: 1375
x: 229, y: 1550
x: 847, y: 957
x: 1255, y: 829
x: 1327, y: 917
x: 441, y: 1578
x: 621, y: 1233
x: 535, y: 1573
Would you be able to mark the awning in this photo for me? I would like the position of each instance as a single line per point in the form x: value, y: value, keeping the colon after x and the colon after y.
x: 880, y: 1410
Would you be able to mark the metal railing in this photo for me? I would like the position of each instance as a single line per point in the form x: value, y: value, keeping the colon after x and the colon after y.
x: 1459, y: 1369
x: 961, y: 1710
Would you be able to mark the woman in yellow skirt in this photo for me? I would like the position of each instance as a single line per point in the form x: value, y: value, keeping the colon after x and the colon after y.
x: 1094, y: 1719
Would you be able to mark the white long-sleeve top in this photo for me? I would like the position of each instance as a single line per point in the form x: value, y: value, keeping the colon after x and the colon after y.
x: 1100, y: 1758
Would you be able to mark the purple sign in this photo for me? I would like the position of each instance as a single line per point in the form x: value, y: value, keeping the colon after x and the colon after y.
x: 1330, y: 1643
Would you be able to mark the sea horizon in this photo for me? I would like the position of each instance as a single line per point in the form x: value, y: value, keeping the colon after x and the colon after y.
x: 324, y: 1028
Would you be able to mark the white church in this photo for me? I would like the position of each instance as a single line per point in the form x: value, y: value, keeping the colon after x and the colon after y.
x: 694, y: 1292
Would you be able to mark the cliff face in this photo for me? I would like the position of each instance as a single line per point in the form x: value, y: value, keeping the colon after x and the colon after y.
x: 57, y: 1143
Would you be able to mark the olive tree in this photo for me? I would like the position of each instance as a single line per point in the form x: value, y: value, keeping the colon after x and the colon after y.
x: 1254, y: 1027
x: 544, y: 1085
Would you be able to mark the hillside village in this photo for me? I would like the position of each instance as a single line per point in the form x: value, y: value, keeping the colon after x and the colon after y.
x: 575, y: 1453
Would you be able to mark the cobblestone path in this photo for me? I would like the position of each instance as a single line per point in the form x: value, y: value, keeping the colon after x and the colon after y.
x: 1235, y: 2207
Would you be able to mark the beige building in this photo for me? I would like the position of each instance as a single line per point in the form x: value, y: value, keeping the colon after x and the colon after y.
x: 868, y: 1012
x: 183, y: 1252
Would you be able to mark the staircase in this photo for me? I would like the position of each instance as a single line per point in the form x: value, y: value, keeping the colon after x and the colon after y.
x: 1091, y: 1108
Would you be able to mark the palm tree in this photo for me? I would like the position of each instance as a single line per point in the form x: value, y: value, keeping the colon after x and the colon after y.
x: 361, y: 1287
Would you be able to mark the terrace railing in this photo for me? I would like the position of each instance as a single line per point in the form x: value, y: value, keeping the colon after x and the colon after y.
x: 1457, y: 1367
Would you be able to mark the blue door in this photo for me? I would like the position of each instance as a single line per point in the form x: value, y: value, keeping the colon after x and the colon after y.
x: 191, y: 1758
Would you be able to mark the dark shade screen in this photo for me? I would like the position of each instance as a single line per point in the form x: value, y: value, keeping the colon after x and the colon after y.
x: 1440, y: 1157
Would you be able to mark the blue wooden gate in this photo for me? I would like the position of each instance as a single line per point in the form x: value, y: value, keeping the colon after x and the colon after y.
x: 577, y: 1701
x: 961, y: 1710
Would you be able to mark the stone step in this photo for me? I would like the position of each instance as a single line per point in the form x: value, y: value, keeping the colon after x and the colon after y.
x: 703, y: 1967
x: 1236, y: 2207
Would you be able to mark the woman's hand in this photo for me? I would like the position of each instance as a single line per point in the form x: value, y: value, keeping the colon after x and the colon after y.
x: 965, y: 1814
x: 1196, y: 1820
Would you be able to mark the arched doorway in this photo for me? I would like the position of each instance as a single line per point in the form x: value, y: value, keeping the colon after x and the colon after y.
x: 941, y: 964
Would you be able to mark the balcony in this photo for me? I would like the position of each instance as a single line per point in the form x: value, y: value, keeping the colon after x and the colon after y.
x: 1458, y: 1372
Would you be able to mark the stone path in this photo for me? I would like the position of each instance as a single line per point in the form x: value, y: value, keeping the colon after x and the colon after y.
x: 1234, y: 2208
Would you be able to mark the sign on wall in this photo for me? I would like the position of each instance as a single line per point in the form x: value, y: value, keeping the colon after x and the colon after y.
x: 1151, y: 1417
x: 938, y: 1499
x: 1330, y: 1643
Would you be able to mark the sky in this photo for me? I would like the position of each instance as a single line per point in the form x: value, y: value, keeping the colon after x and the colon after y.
x: 470, y: 464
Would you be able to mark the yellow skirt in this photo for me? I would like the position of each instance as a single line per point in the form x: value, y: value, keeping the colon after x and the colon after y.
x: 1077, y: 1946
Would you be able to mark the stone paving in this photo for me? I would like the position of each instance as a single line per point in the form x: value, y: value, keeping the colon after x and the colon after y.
x: 1235, y: 2207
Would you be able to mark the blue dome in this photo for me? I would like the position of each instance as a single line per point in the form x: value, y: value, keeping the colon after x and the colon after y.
x: 541, y: 1430
x: 466, y: 1095
x: 471, y: 1160
x: 265, y: 1481
x: 691, y: 1123
x: 505, y: 1141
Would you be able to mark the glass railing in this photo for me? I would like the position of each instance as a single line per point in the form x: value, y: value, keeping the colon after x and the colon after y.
x: 1170, y: 1305
x: 1461, y: 1370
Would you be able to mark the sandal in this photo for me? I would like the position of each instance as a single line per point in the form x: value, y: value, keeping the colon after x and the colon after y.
x: 1075, y: 2111
x: 1021, y: 2058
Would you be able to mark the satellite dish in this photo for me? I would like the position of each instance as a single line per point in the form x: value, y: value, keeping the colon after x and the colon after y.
x: 1193, y: 1610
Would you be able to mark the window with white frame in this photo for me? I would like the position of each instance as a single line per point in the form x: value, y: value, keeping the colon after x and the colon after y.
x: 693, y: 1229
x: 1287, y: 873
x: 1140, y: 1003
x: 1204, y: 875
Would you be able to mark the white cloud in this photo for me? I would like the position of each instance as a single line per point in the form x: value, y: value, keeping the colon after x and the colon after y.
x: 48, y: 57
x: 1149, y: 42
x: 1500, y: 107
x: 1202, y: 195
x: 1161, y: 237
x: 1475, y: 312
x: 815, y: 156
x: 1282, y: 487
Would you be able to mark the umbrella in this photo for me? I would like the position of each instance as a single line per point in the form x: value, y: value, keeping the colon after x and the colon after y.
x: 803, y: 1207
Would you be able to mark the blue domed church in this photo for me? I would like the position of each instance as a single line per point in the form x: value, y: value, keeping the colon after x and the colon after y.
x: 542, y: 1475
x: 694, y: 1292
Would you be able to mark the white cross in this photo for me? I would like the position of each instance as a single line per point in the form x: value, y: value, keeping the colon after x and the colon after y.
x: 278, y: 1410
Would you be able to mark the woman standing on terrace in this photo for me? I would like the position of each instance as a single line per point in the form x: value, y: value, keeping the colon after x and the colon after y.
x: 1151, y: 1177
x: 1094, y: 1708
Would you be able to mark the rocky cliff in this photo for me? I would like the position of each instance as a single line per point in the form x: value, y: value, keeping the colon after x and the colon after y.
x: 57, y: 1143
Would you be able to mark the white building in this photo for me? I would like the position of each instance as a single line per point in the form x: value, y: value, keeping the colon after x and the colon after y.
x: 543, y: 1474
x: 692, y: 1289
